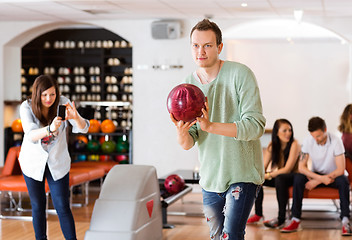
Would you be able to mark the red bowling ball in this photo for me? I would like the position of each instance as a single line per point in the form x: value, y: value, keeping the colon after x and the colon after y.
x: 174, y: 184
x: 185, y: 102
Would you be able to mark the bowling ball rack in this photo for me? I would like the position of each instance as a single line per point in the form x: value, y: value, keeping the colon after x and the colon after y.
x: 167, y: 199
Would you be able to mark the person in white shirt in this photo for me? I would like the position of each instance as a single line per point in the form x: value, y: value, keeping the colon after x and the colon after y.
x: 44, y: 153
x: 326, y: 152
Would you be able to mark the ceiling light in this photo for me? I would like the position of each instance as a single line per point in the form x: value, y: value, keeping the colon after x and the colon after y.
x: 244, y: 4
x: 298, y: 14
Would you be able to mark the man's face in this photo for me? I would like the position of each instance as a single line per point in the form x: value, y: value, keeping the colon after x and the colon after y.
x: 319, y: 136
x: 205, y: 52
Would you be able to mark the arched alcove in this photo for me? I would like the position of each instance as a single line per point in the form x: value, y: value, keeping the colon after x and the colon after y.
x: 31, y: 38
x: 289, y: 30
x: 302, y: 69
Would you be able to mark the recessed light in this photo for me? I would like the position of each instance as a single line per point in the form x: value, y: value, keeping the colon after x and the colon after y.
x: 244, y: 4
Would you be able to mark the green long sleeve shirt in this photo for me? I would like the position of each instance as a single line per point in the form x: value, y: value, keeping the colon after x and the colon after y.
x: 233, y: 97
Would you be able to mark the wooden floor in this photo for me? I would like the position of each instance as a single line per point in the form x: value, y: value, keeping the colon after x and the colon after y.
x: 317, y: 225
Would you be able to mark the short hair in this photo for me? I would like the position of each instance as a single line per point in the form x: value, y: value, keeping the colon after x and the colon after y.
x: 316, y: 123
x: 206, y: 25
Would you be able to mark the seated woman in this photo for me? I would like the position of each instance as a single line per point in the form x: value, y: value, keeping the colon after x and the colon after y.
x: 345, y: 128
x: 283, y: 153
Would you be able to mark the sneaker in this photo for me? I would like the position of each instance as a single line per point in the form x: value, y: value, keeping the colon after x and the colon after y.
x: 294, y: 226
x: 273, y: 223
x: 346, y: 230
x: 255, y: 219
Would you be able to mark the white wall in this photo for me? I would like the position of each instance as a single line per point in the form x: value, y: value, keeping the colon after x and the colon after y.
x: 154, y: 135
x: 298, y: 81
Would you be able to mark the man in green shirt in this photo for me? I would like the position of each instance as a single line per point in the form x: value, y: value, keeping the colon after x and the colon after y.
x: 227, y: 134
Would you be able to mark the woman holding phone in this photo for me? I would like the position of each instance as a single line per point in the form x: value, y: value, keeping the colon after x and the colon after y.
x: 44, y: 152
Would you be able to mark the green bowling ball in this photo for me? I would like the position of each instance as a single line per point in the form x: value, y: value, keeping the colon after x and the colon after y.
x: 108, y: 146
x: 122, y: 147
x: 93, y: 145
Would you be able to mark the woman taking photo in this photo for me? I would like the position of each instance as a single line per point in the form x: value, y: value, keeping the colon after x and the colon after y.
x: 282, y: 153
x: 44, y: 153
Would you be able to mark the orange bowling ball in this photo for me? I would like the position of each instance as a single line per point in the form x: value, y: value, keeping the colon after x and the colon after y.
x: 94, y: 126
x: 17, y: 126
x: 107, y: 126
x: 82, y: 138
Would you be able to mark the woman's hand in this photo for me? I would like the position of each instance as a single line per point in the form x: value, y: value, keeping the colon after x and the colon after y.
x: 71, y: 111
x: 55, y: 124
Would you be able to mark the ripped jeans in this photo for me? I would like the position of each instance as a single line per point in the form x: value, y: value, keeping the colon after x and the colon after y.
x: 227, y: 213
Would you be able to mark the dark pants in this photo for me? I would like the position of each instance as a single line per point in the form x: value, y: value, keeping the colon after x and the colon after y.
x: 60, y: 194
x: 341, y: 183
x: 281, y: 183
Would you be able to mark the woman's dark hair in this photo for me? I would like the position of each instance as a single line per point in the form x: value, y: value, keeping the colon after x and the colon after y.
x: 41, y: 84
x: 206, y: 25
x: 276, y: 144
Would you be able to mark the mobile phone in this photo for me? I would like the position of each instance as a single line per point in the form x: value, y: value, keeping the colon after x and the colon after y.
x: 62, y: 112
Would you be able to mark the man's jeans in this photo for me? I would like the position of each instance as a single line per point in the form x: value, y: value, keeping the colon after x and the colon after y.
x: 227, y: 212
x: 341, y: 183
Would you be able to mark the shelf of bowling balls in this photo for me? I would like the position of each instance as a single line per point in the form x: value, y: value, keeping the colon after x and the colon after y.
x: 119, y: 69
x: 30, y: 75
x: 116, y: 142
x: 88, y: 83
x: 99, y: 153
x: 58, y: 52
x: 104, y: 149
x: 118, y: 51
x: 118, y: 132
x: 87, y: 153
x: 126, y: 51
x: 104, y: 103
x: 120, y: 158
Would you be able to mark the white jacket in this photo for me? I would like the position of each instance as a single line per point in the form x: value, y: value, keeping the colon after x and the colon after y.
x: 33, y: 157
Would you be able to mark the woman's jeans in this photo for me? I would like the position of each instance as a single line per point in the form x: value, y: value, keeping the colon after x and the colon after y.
x: 227, y: 212
x: 60, y: 194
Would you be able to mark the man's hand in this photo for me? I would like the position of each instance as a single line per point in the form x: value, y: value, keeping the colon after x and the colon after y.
x: 311, y: 184
x: 182, y: 127
x: 183, y: 137
x: 326, y: 179
x: 203, y: 121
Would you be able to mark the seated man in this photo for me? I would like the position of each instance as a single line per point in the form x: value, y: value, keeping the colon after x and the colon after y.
x: 326, y: 152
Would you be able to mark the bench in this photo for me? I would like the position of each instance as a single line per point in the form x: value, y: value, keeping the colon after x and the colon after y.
x: 326, y: 192
x: 11, y: 179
